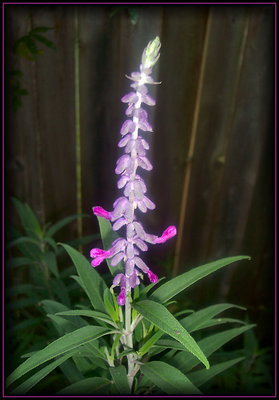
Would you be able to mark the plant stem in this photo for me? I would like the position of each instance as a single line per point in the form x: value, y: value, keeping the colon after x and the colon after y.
x: 129, y: 341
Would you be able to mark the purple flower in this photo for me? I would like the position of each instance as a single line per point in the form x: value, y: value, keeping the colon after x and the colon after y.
x: 134, y: 189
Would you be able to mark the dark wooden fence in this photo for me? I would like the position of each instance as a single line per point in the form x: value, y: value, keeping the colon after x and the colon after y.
x: 213, y: 146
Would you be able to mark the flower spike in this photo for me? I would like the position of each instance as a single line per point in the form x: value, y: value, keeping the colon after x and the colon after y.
x: 134, y: 196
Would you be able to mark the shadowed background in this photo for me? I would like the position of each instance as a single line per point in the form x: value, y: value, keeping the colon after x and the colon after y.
x: 213, y: 143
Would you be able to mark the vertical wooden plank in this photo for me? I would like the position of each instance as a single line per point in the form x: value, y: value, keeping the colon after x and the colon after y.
x: 55, y: 76
x: 45, y: 124
x: 183, y: 33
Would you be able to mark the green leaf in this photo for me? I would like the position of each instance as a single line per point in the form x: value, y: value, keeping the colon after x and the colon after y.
x: 38, y: 376
x: 23, y: 239
x: 22, y: 303
x: 92, y: 281
x: 181, y: 282
x: 164, y: 320
x: 25, y: 324
x: 108, y: 300
x: 84, y: 240
x: 146, y: 289
x: 26, y: 288
x: 134, y: 15
x: 149, y: 343
x: 169, y: 379
x: 220, y: 321
x: 198, y: 319
x: 95, y: 385
x: 119, y: 376
x: 91, y: 314
x: 44, y: 40
x: 200, y: 377
x: 28, y: 219
x: 50, y: 261
x: 18, y: 262
x: 208, y: 345
x: 61, y: 291
x: 60, y: 224
x: 108, y: 236
x: 60, y: 346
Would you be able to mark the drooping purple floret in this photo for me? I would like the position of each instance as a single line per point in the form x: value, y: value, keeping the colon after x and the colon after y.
x: 134, y: 188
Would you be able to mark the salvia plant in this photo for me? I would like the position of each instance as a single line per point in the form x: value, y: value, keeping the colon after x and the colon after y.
x: 134, y: 345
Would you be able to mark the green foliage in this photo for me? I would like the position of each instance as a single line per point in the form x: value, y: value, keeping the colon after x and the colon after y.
x: 91, y: 351
x: 34, y: 259
x: 27, y: 48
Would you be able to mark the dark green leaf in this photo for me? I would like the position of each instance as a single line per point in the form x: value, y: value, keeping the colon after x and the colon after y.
x: 38, y: 376
x: 198, y: 319
x: 209, y: 345
x: 60, y: 346
x: 50, y: 261
x: 89, y: 313
x: 108, y: 300
x: 119, y: 376
x: 169, y: 379
x: 91, y: 386
x: 43, y: 40
x: 92, y: 281
x: 176, y: 285
x: 200, y: 377
x: 60, y: 224
x: 164, y: 320
x: 149, y: 343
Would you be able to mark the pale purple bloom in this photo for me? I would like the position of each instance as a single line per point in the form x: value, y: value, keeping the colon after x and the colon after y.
x: 133, y: 185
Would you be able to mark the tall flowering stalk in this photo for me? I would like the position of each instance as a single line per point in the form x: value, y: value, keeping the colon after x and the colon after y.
x: 134, y: 193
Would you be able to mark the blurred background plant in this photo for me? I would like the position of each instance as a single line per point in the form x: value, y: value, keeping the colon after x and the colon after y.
x: 35, y: 272
x: 26, y: 47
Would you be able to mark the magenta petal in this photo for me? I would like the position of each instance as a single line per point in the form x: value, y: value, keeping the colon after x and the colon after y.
x: 152, y: 277
x: 97, y: 261
x: 121, y: 298
x: 100, y: 212
x: 96, y: 252
x: 167, y: 234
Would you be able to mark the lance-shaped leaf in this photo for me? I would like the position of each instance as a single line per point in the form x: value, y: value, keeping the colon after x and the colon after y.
x: 119, y: 376
x: 171, y: 288
x: 95, y: 385
x: 168, y: 378
x: 209, y: 345
x: 60, y: 346
x: 92, y: 281
x: 200, y: 318
x: 158, y: 315
x: 202, y: 376
x: 38, y: 376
